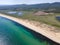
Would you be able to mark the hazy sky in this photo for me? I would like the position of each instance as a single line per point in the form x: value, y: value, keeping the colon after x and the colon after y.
x: 10, y: 2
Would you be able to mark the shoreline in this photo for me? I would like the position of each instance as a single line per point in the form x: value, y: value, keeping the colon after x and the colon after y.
x: 49, y: 34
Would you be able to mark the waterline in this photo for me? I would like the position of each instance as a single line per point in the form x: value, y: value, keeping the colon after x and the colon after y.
x: 19, y: 35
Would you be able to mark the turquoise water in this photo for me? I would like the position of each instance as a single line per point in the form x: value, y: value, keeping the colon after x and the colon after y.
x: 12, y: 33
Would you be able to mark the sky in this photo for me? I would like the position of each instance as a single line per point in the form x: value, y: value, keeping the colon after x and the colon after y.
x: 12, y: 2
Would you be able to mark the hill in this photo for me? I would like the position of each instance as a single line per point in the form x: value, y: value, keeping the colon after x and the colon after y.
x: 44, y: 6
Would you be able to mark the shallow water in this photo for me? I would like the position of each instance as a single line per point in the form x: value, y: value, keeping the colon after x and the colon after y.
x: 15, y: 13
x: 12, y: 33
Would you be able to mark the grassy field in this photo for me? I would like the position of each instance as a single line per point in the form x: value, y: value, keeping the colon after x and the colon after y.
x: 48, y: 19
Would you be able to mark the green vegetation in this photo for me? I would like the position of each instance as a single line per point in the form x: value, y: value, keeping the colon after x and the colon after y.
x: 47, y: 7
x: 48, y: 19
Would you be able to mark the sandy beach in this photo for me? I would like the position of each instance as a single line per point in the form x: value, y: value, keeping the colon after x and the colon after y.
x: 49, y: 34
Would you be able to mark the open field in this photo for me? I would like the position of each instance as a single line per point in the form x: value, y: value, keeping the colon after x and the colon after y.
x: 48, y: 19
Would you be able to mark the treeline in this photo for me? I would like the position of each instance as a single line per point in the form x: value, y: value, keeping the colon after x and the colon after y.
x: 48, y: 7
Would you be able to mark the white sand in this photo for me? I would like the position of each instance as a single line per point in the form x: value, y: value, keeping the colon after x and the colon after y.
x: 49, y: 34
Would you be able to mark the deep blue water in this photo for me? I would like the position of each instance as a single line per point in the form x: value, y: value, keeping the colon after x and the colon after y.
x: 58, y: 18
